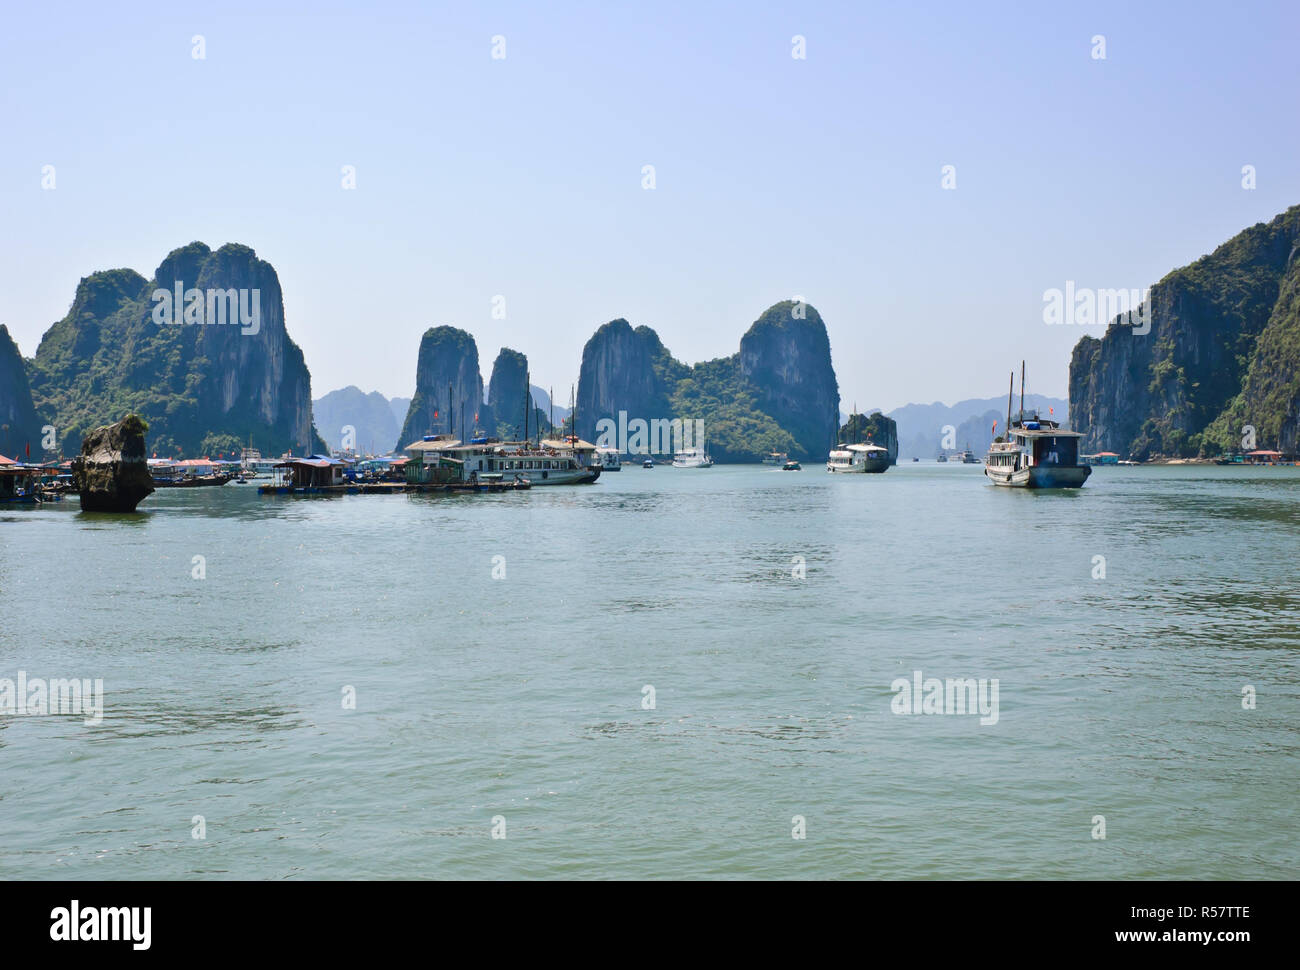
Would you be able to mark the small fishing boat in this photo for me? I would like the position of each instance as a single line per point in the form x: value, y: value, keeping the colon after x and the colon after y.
x: 792, y: 466
x: 648, y: 463
x: 942, y: 459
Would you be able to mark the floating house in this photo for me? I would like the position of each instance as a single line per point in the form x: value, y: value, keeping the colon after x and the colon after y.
x: 314, y: 471
x: 1263, y: 456
x: 18, y: 482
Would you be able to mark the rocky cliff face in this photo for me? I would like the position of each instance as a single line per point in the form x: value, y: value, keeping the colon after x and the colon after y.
x: 1222, y: 352
x: 786, y: 357
x: 625, y: 370
x: 19, y: 425
x: 779, y: 393
x: 1270, y: 396
x: 509, y: 394
x: 208, y: 365
x: 448, y: 387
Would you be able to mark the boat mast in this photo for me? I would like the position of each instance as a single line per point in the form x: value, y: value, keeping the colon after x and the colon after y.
x: 1011, y: 390
x: 525, y: 405
x: 1022, y: 390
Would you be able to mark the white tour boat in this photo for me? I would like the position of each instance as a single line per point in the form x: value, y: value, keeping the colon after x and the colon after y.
x: 692, y: 458
x: 859, y: 458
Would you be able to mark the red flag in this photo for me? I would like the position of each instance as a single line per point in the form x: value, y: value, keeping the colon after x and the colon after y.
x: 1051, y: 410
x: 29, y: 449
x: 435, y: 414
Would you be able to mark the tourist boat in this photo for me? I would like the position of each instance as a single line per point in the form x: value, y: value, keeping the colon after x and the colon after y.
x: 558, y: 461
x: 692, y: 458
x: 775, y: 458
x: 539, y: 466
x: 253, y: 465
x: 1036, y: 452
x: 609, y: 459
x: 966, y: 457
x: 792, y: 466
x: 648, y: 463
x: 859, y: 458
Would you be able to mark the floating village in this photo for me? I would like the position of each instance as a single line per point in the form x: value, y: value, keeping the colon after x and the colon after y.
x: 113, y: 474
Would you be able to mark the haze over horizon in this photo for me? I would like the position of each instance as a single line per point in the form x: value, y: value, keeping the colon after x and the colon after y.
x: 522, y: 177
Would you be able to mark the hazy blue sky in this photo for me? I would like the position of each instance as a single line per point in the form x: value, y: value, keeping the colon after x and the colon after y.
x: 522, y: 177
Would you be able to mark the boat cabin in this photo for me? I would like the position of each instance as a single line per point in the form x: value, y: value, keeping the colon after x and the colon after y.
x: 1035, y: 442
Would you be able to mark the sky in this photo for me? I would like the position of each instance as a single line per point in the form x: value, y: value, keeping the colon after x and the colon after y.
x: 523, y: 177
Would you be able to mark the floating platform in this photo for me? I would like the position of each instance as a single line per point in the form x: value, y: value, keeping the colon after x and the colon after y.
x: 392, y: 488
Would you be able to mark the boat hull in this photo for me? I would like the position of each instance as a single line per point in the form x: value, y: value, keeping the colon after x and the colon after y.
x: 872, y: 466
x: 563, y: 476
x: 1039, y: 476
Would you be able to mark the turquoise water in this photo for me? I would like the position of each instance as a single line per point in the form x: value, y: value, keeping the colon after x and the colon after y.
x: 521, y: 697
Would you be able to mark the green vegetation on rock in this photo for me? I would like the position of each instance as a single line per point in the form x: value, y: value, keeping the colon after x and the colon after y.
x: 1222, y: 356
x: 204, y: 388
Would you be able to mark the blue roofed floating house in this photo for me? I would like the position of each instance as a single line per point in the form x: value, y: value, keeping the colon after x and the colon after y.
x: 314, y: 471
